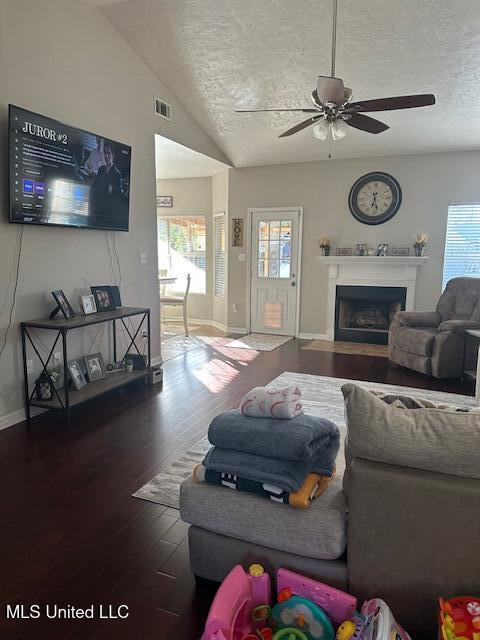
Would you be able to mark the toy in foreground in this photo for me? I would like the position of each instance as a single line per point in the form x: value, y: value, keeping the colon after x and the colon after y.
x: 459, y: 618
x: 306, y: 610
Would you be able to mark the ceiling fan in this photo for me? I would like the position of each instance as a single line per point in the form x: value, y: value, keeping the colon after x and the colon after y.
x: 333, y: 112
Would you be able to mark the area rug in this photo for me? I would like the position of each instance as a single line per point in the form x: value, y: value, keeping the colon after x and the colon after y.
x: 355, y: 348
x: 322, y: 396
x: 254, y: 341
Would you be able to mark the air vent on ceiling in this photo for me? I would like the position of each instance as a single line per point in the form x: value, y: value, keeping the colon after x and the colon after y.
x: 163, y: 109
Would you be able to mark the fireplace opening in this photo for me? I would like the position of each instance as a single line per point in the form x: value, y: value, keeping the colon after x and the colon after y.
x: 364, y: 313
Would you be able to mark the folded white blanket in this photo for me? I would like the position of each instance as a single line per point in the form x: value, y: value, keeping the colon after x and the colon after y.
x: 263, y: 402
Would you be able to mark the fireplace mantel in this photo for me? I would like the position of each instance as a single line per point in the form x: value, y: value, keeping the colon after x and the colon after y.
x: 386, y: 271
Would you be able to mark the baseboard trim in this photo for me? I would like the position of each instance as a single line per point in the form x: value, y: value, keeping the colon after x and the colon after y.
x: 11, y: 419
x: 237, y: 330
x: 210, y: 323
x: 312, y: 336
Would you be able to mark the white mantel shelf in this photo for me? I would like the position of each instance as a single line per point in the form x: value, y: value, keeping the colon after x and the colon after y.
x: 375, y: 271
x: 380, y: 260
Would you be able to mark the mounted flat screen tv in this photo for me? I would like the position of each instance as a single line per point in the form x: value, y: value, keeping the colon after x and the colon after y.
x: 64, y: 176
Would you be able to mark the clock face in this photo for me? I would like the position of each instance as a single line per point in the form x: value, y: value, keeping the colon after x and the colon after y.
x: 375, y: 198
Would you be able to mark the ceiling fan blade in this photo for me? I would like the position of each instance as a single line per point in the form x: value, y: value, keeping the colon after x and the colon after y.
x: 316, y: 99
x: 365, y: 123
x: 299, y: 127
x: 259, y: 110
x: 399, y: 102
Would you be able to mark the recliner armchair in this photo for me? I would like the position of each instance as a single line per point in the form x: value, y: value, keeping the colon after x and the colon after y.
x: 433, y: 342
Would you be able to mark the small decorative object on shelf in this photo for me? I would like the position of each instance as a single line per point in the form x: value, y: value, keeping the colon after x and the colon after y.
x: 343, y: 251
x: 325, y: 244
x: 382, y: 249
x: 400, y: 251
x: 371, y: 252
x: 128, y: 365
x: 420, y: 241
x: 103, y: 298
x: 63, y: 305
x: 44, y: 387
x: 95, y: 367
x: 76, y: 374
x: 362, y: 248
x: 88, y: 304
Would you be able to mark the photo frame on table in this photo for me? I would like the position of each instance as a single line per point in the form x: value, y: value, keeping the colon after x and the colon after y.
x: 88, y: 304
x: 95, y: 366
x: 75, y: 369
x: 103, y: 298
x: 343, y: 251
x: 63, y: 305
x: 164, y: 201
x: 400, y: 251
x: 382, y: 249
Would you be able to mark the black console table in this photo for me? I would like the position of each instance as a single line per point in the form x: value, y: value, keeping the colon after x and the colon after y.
x: 64, y: 399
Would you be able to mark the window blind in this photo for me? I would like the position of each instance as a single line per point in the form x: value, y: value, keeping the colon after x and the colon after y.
x: 462, y: 245
x: 219, y: 233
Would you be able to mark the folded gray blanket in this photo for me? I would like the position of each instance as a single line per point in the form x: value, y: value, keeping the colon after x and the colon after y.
x: 297, y: 439
x: 286, y: 474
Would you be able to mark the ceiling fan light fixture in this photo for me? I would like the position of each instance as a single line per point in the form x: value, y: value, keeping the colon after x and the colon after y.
x: 321, y: 129
x: 339, y: 129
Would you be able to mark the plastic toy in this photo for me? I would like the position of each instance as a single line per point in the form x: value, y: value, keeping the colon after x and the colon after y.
x: 300, y: 613
x: 337, y: 604
x: 375, y: 622
x: 240, y: 597
x: 459, y: 618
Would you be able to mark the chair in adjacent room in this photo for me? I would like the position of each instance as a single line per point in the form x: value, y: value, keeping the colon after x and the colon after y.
x: 179, y: 301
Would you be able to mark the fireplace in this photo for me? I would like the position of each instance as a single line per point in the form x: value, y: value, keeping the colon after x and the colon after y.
x: 364, y: 313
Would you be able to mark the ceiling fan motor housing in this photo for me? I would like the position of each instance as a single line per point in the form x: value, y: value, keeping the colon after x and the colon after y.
x: 330, y: 90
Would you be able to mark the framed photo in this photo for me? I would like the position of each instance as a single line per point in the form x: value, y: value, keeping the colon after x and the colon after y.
x: 75, y: 368
x: 164, y: 201
x: 343, y: 251
x: 103, y: 298
x: 382, y: 249
x: 95, y: 366
x: 63, y: 304
x: 400, y: 251
x: 88, y: 304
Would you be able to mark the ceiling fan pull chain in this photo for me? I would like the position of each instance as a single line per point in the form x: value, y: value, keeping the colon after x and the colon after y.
x: 334, y: 36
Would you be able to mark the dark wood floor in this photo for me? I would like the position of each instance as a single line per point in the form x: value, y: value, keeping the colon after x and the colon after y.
x: 70, y: 532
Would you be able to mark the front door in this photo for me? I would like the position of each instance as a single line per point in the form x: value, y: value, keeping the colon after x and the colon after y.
x: 274, y: 271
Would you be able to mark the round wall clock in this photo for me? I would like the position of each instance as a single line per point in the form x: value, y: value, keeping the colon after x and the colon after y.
x: 375, y: 198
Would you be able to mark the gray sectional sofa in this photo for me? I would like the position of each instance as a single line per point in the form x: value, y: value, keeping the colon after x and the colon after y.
x: 403, y: 523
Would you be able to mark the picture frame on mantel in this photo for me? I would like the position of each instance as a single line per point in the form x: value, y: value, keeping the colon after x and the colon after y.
x: 343, y: 251
x: 400, y: 251
x: 165, y: 201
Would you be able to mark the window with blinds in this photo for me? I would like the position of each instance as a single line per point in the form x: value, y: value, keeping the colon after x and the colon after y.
x: 182, y: 249
x: 462, y: 245
x: 219, y: 233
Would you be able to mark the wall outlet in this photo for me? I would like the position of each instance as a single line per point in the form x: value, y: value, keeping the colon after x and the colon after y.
x: 235, y: 307
x: 29, y: 366
x: 242, y: 257
x: 143, y: 258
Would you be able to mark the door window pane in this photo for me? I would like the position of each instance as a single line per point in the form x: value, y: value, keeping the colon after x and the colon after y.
x: 273, y: 269
x: 274, y: 229
x: 274, y: 248
x: 263, y: 230
x: 284, y: 269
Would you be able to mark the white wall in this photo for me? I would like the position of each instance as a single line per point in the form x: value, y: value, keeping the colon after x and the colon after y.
x: 62, y: 58
x: 429, y: 183
x: 220, y: 192
x: 192, y: 196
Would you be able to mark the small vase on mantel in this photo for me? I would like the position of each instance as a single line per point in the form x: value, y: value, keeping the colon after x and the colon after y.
x: 419, y: 249
x: 326, y: 251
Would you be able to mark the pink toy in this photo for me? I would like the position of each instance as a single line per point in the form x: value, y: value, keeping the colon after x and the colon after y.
x: 337, y: 604
x: 240, y: 606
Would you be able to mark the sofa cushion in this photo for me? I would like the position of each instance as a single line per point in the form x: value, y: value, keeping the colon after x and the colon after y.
x: 441, y: 440
x: 317, y: 532
x: 417, y: 341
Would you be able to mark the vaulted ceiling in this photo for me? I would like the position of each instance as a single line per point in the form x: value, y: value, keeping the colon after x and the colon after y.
x: 220, y: 55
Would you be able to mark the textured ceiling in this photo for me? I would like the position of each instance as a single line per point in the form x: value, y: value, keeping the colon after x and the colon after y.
x: 173, y: 160
x: 220, y: 55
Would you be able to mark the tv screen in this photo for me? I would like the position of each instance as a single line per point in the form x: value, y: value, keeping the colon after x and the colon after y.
x: 61, y: 175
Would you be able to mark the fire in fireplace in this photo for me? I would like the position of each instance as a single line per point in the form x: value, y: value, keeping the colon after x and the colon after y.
x: 364, y: 313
